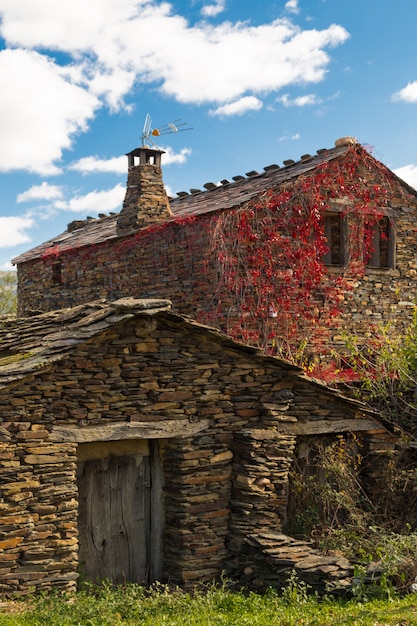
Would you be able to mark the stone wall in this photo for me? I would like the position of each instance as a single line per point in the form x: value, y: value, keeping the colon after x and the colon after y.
x: 38, y: 511
x: 221, y: 485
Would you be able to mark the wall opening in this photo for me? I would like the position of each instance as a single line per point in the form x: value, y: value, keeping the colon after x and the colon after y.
x: 120, y: 511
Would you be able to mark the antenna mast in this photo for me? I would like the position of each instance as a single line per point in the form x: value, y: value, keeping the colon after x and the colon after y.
x: 177, y: 126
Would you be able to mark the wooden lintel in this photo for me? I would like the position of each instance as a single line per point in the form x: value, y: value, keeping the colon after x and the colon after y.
x: 164, y: 429
x: 320, y: 427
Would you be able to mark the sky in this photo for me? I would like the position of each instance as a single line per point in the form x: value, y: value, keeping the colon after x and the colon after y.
x: 243, y: 83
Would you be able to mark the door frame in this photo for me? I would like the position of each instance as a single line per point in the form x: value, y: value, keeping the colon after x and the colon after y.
x: 154, y: 542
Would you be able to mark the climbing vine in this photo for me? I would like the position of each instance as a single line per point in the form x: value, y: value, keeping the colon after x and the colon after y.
x: 274, y: 286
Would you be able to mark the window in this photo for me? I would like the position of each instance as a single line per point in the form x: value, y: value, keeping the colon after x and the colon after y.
x: 378, y: 249
x: 57, y: 274
x: 382, y: 245
x: 335, y: 231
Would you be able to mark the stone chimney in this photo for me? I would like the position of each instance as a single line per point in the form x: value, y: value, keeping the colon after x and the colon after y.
x: 146, y: 201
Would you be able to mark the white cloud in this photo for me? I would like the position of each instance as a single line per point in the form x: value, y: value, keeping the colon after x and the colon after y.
x: 45, y: 191
x: 40, y: 112
x: 408, y: 173
x: 110, y: 46
x: 290, y: 137
x: 236, y: 59
x: 300, y: 101
x: 112, y: 86
x: 178, y: 158
x: 407, y: 94
x: 211, y: 10
x: 93, y: 164
x: 292, y: 6
x: 248, y: 103
x: 147, y: 40
x: 13, y: 231
x: 73, y: 25
x: 94, y: 201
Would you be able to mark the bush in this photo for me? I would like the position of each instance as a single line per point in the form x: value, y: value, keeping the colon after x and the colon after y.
x: 383, y: 373
x: 328, y: 505
x: 8, y: 298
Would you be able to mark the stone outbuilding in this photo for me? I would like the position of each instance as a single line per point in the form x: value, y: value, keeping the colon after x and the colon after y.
x: 137, y: 444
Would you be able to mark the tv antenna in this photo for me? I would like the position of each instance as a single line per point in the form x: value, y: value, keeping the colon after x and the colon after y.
x: 177, y: 126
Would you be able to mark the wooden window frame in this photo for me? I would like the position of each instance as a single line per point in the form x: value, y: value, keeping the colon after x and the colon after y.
x: 336, y: 233
x: 383, y: 255
x: 57, y: 273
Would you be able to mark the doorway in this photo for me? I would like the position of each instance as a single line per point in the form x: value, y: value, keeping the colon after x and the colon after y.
x: 119, y: 519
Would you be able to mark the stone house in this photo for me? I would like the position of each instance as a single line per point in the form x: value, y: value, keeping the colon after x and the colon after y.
x: 137, y: 444
x: 188, y: 250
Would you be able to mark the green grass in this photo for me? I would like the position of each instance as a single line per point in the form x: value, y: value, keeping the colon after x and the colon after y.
x: 214, y: 606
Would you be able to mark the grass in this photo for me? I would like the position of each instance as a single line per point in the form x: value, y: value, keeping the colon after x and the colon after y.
x: 133, y: 605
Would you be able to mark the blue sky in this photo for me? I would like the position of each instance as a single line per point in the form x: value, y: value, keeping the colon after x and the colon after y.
x: 258, y: 81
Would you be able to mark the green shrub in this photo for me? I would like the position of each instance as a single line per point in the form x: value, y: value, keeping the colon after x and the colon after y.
x: 8, y: 298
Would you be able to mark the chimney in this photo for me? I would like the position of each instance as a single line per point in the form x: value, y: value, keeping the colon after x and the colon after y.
x: 146, y: 201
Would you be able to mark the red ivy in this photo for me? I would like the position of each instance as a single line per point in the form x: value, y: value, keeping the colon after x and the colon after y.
x: 273, y: 280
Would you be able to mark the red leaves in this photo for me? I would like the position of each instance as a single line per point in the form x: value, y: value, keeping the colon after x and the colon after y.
x: 51, y: 253
x: 270, y: 253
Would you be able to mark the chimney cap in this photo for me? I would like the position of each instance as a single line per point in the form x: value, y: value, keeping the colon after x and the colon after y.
x: 144, y: 156
x: 145, y: 149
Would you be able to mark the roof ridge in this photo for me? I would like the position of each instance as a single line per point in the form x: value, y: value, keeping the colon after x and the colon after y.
x: 268, y: 170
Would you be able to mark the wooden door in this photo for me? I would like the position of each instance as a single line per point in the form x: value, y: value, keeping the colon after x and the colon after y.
x: 115, y: 509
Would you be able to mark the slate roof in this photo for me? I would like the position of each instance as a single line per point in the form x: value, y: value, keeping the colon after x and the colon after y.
x: 31, y: 344
x: 227, y: 194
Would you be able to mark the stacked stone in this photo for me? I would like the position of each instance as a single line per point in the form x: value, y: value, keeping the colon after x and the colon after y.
x: 261, y: 480
x: 197, y: 508
x: 146, y: 201
x: 38, y: 513
x: 378, y: 450
x: 275, y: 557
x: 260, y: 487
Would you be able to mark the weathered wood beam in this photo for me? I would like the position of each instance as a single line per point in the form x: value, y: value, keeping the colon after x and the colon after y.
x: 164, y: 429
x: 321, y: 427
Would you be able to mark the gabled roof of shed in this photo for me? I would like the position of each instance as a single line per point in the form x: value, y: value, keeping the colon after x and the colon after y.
x: 30, y: 345
x: 227, y: 194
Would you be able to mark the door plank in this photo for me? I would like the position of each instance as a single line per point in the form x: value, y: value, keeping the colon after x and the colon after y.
x: 135, y: 512
x: 119, y: 547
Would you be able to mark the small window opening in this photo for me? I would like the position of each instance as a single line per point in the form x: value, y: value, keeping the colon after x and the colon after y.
x: 382, y: 253
x: 335, y: 232
x: 57, y: 274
